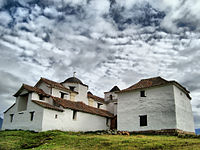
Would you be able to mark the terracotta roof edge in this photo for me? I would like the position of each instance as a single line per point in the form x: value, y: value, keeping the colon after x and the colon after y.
x: 53, y: 107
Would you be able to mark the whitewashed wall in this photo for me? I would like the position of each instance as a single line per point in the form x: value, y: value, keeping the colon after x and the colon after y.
x: 82, y: 91
x: 82, y: 94
x: 65, y: 122
x: 44, y: 87
x: 67, y: 85
x: 112, y: 105
x: 158, y: 105
x: 107, y: 96
x: 21, y: 120
x: 56, y: 93
x: 184, y: 116
x: 95, y: 104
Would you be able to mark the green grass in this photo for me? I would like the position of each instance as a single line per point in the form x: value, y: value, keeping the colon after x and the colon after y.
x: 57, y: 140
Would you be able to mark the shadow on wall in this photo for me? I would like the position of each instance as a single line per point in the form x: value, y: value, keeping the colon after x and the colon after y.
x: 1, y: 121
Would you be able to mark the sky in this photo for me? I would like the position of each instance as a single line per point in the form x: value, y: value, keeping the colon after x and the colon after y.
x: 107, y: 43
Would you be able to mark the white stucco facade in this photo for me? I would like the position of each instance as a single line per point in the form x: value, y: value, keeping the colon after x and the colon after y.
x: 22, y: 120
x: 184, y: 117
x: 164, y: 106
x: 112, y: 101
x: 65, y: 122
x: 158, y: 105
x: 47, y: 119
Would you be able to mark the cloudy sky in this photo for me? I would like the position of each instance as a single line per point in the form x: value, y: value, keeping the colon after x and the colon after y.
x: 107, y: 42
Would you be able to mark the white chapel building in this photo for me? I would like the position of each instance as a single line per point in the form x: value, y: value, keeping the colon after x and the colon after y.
x: 150, y: 104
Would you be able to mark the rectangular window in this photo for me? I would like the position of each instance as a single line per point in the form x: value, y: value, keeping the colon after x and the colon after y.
x: 71, y: 88
x: 41, y: 97
x: 11, y: 117
x: 111, y: 97
x: 143, y: 120
x: 142, y: 94
x: 62, y: 95
x: 99, y: 105
x: 74, y: 114
x: 56, y: 116
x: 32, y: 115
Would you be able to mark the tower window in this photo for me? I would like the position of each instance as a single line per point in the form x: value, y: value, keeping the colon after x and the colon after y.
x: 74, y: 114
x: 62, y: 95
x: 142, y: 94
x: 111, y: 97
x: 32, y: 115
x: 41, y: 97
x: 11, y: 117
x: 143, y: 120
x: 71, y: 88
x: 56, y: 116
x: 99, y: 105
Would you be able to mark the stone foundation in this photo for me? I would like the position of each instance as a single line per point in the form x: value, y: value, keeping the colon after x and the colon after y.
x: 164, y: 132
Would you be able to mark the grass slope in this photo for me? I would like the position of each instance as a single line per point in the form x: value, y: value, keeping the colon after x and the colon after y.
x: 57, y: 140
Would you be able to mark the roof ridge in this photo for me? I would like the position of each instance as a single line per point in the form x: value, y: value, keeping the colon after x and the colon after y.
x: 50, y: 80
x: 154, y: 78
x: 30, y: 88
x: 54, y: 84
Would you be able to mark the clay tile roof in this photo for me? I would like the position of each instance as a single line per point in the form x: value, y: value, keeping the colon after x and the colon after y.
x: 31, y: 89
x: 80, y: 106
x: 46, y: 105
x: 54, y: 84
x: 114, y: 89
x: 156, y: 81
x: 146, y: 83
x: 96, y: 98
x: 89, y: 93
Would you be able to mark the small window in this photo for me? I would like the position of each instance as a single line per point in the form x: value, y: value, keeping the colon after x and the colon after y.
x: 99, y: 105
x: 41, y: 97
x: 111, y: 97
x: 62, y: 95
x: 32, y: 115
x: 71, y: 88
x: 11, y: 117
x: 143, y: 120
x: 74, y: 114
x: 142, y: 94
x: 56, y: 116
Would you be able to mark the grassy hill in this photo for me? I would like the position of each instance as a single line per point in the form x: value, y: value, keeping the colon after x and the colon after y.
x: 57, y: 140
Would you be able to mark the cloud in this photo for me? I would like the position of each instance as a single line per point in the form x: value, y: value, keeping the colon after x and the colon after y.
x: 5, y: 18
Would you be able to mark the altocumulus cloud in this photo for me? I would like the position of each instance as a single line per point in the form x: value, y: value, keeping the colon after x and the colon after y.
x: 107, y: 42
